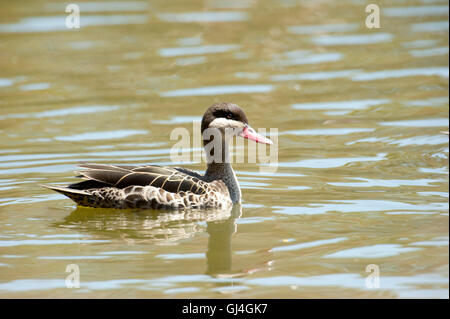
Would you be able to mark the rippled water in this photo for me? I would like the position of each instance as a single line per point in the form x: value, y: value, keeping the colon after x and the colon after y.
x: 362, y: 176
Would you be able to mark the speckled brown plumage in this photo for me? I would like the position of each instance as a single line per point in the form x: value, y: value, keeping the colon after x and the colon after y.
x: 156, y: 187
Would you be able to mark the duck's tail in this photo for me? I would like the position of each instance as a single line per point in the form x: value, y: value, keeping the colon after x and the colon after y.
x: 78, y: 196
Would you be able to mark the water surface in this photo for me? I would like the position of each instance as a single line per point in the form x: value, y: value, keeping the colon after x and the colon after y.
x: 362, y: 176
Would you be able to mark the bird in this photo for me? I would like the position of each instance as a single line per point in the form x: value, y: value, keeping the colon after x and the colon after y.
x: 165, y: 187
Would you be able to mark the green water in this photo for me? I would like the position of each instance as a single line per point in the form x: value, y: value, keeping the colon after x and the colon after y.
x: 362, y: 175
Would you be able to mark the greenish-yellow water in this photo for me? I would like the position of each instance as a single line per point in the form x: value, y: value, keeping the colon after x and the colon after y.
x: 362, y: 174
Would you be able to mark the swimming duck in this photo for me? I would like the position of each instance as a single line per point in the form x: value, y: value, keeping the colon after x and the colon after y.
x: 162, y: 187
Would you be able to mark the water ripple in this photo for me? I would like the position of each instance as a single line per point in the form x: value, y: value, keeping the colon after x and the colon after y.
x: 385, y: 74
x: 204, y: 49
x: 359, y: 206
x: 367, y: 182
x: 340, y: 105
x: 435, y: 26
x: 355, y: 39
x: 107, y: 6
x: 204, y: 17
x: 57, y: 23
x: 332, y: 162
x: 374, y: 251
x: 308, y: 244
x: 219, y: 90
x: 330, y: 131
x: 63, y: 112
x: 419, y: 11
x: 438, y: 122
x: 40, y: 242
x: 323, y: 28
x: 100, y: 135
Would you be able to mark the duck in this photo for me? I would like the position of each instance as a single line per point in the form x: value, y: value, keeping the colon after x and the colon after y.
x: 165, y: 187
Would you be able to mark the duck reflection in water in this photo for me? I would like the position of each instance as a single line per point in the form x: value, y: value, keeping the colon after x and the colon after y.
x: 137, y: 227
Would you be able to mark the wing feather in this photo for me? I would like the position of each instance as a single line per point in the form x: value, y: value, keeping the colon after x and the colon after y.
x: 105, y: 167
x: 105, y: 176
x: 174, y: 180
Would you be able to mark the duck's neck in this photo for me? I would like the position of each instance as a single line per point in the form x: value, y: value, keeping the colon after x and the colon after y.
x: 222, y: 170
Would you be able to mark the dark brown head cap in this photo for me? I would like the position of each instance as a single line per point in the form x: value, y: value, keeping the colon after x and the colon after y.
x: 225, y: 110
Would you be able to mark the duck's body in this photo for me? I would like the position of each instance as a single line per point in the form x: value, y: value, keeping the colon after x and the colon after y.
x: 156, y: 187
x: 161, y: 187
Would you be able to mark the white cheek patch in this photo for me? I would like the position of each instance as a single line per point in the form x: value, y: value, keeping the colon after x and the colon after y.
x: 222, y: 123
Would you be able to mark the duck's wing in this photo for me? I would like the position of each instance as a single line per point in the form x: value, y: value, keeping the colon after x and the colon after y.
x: 174, y: 180
x: 189, y: 172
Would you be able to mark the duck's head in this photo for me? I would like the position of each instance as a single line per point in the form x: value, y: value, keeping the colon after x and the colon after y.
x: 228, y: 119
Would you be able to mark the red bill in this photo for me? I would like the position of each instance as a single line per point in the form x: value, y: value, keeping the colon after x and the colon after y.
x: 251, y: 134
